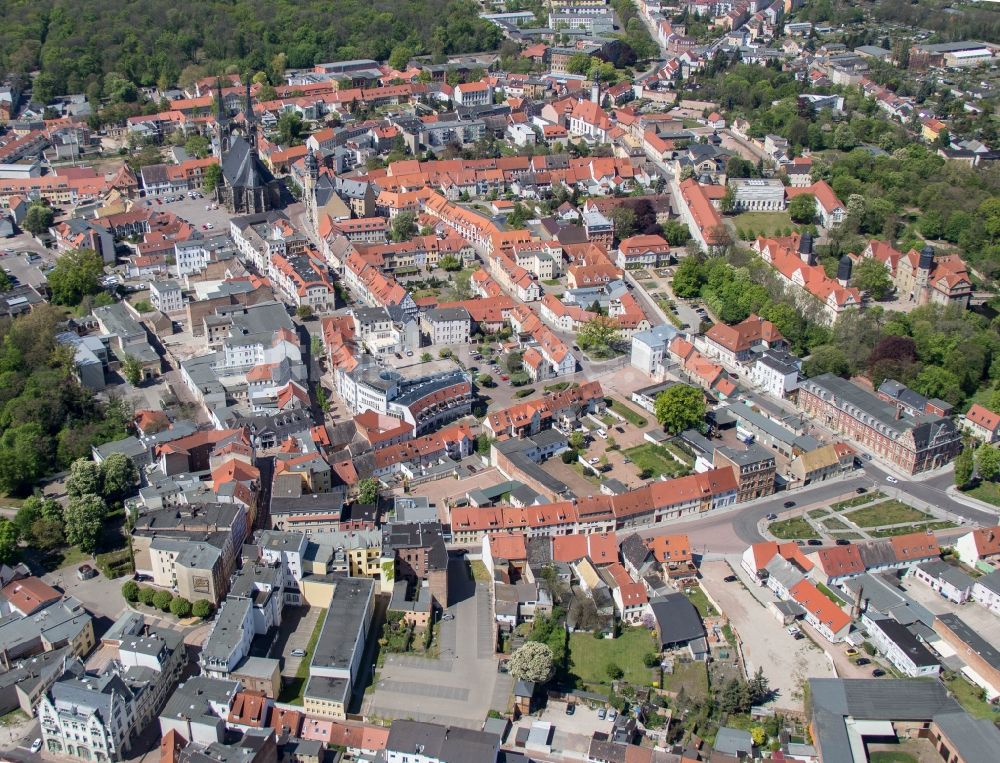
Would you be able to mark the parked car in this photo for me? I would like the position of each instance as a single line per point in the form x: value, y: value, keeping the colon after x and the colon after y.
x: 593, y: 460
x: 772, y: 516
x: 602, y: 714
x: 851, y: 652
x: 814, y: 542
x: 862, y: 661
x: 612, y: 714
x: 36, y: 745
x: 730, y: 579
x: 861, y: 490
x: 878, y: 673
x: 570, y: 708
x: 891, y: 480
x: 86, y: 572
x: 789, y: 504
x: 843, y: 542
x: 298, y: 653
x: 504, y: 377
x: 447, y: 616
x: 140, y: 578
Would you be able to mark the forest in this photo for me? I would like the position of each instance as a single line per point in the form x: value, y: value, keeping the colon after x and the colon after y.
x: 77, y: 46
x: 47, y: 420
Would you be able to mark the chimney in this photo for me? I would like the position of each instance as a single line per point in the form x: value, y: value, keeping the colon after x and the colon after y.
x: 856, y: 606
x: 899, y: 412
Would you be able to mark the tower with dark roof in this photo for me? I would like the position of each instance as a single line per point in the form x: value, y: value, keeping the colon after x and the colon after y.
x: 844, y: 268
x: 249, y: 116
x: 806, y: 253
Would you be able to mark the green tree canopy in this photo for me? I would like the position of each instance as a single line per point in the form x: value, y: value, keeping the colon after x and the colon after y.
x: 38, y: 219
x: 871, y: 276
x: 76, y: 275
x: 533, y: 661
x: 368, y: 490
x: 802, y: 208
x: 85, y: 517
x: 680, y: 407
x: 404, y: 226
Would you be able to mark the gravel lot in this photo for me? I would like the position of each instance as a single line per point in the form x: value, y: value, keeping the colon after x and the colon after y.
x: 786, y: 662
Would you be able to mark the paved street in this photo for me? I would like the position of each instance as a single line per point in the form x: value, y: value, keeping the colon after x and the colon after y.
x: 463, y: 684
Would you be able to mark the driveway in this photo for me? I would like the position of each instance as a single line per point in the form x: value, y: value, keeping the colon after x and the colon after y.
x: 462, y: 685
x: 980, y: 619
x: 787, y: 662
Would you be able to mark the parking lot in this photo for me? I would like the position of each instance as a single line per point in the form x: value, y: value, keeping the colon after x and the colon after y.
x: 787, y: 662
x: 462, y: 685
x: 297, y: 625
x: 571, y: 734
x: 193, y: 210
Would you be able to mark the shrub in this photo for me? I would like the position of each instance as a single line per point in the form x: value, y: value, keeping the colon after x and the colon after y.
x: 130, y: 590
x: 568, y: 456
x: 146, y: 596
x: 162, y: 600
x: 651, y: 659
x: 614, y: 671
x: 646, y: 474
x: 525, y: 392
x: 203, y: 608
x: 180, y: 607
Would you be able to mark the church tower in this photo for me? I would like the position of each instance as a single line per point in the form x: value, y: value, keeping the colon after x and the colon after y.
x: 309, y: 190
x: 221, y: 122
x: 251, y: 118
x: 922, y: 277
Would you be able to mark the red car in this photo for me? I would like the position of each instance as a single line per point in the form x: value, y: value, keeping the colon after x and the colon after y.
x: 504, y: 378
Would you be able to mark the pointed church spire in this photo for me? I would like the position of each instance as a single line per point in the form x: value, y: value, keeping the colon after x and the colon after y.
x: 251, y: 118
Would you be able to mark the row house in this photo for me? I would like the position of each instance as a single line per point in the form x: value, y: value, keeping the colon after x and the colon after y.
x: 513, y: 278
x: 371, y: 230
x: 303, y: 280
x: 651, y: 504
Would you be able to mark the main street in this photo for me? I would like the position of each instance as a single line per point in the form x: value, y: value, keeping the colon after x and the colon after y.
x: 732, y: 530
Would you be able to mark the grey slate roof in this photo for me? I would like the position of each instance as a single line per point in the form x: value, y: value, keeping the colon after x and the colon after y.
x: 677, y: 619
x: 447, y: 744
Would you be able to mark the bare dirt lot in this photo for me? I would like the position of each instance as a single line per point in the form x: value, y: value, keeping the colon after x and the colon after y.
x: 787, y: 663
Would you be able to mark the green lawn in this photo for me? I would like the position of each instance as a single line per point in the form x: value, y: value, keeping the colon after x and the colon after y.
x: 655, y: 458
x: 831, y: 595
x: 701, y: 602
x: 890, y: 512
x: 847, y: 535
x: 903, y: 530
x: 893, y: 756
x: 834, y: 524
x: 590, y: 657
x: 764, y: 223
x: 969, y: 697
x: 292, y: 691
x: 792, y: 529
x: 626, y: 412
x: 692, y: 677
x: 817, y: 513
x: 858, y: 500
x: 678, y: 451
x: 986, y: 491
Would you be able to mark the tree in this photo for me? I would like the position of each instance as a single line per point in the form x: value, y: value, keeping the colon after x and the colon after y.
x: 85, y: 517
x: 198, y: 146
x: 162, y: 600
x: 577, y: 441
x: 84, y: 479
x: 802, y: 208
x: 532, y: 662
x: 688, y: 278
x: 758, y: 735
x: 290, y: 128
x: 988, y: 462
x: 132, y: 370
x: 964, y: 463
x: 130, y: 591
x: 870, y: 275
x: 400, y: 57
x: 614, y: 671
x: 599, y: 335
x: 485, y: 380
x: 404, y: 226
x: 76, y: 275
x: 38, y: 219
x: 826, y: 359
x: 676, y: 233
x: 514, y: 362
x: 46, y: 534
x: 569, y: 456
x: 735, y: 697
x: 146, y: 595
x: 426, y: 357
x: 119, y: 476
x: 29, y: 513
x: 759, y: 688
x: 728, y: 202
x: 8, y: 541
x: 938, y: 382
x: 211, y: 177
x: 450, y: 263
x: 203, y: 608
x: 680, y: 407
x: 624, y: 220
x: 305, y: 312
x: 180, y: 607
x: 368, y: 490
x: 144, y: 306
